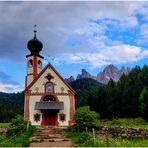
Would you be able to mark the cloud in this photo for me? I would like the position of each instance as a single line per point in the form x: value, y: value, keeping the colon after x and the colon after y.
x: 7, y: 79
x: 71, y: 32
x: 56, y: 21
x: 143, y: 36
x: 9, y: 88
x: 111, y: 54
x: 7, y: 84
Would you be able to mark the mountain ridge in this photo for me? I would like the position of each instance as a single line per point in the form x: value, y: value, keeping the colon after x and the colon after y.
x: 109, y: 72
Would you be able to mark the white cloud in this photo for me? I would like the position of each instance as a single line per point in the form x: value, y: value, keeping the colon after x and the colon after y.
x: 111, y: 54
x: 144, y: 29
x: 60, y: 22
x: 57, y: 21
x: 143, y: 36
x: 10, y: 88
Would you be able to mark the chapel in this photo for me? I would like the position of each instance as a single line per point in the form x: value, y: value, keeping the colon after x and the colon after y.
x: 49, y: 100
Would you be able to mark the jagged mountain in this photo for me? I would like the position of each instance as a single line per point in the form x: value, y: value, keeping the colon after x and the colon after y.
x: 71, y: 79
x: 84, y: 74
x: 109, y: 72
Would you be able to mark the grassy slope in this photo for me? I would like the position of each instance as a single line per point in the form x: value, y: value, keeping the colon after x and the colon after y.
x: 125, y: 122
x: 4, y: 125
x: 21, y: 140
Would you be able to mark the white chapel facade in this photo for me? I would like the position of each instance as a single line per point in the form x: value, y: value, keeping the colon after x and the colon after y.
x: 49, y: 100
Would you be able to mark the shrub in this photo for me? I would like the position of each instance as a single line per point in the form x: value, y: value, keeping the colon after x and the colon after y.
x: 81, y: 139
x: 16, y: 125
x: 84, y: 117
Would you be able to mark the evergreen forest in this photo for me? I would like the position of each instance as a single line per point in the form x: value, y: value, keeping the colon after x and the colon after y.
x: 11, y: 104
x: 128, y: 98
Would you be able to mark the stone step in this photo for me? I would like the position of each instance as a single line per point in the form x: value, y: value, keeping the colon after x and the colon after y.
x: 53, y: 131
x: 48, y: 133
x: 48, y: 137
x: 49, y: 140
x: 58, y: 135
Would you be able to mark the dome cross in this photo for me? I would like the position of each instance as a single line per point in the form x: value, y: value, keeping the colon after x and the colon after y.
x: 35, y: 30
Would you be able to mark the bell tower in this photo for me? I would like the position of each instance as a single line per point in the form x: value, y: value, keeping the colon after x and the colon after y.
x: 34, y: 59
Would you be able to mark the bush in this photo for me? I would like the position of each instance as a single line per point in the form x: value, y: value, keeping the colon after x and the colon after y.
x: 84, y: 117
x: 81, y: 139
x: 16, y: 125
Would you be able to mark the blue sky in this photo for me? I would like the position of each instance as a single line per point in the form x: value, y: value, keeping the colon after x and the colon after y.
x: 78, y: 34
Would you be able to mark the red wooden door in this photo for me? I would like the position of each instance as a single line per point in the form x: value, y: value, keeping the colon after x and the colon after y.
x: 50, y: 120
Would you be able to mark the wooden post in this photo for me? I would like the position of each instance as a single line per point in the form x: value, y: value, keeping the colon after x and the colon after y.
x: 113, y: 142
x: 94, y: 136
x: 106, y: 138
x: 86, y: 129
x: 27, y: 126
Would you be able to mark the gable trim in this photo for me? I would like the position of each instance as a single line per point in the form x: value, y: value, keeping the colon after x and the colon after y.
x: 40, y: 74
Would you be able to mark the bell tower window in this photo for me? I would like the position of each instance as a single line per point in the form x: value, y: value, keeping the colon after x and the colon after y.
x: 39, y: 64
x: 30, y: 63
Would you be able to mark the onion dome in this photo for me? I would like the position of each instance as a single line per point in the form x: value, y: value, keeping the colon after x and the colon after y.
x: 34, y: 45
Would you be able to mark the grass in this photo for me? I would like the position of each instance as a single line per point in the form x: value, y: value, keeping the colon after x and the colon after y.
x: 4, y: 125
x: 21, y: 140
x: 125, y: 122
x: 83, y: 139
x: 120, y: 142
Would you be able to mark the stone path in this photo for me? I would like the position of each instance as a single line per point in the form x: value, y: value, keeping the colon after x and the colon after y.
x: 50, y: 137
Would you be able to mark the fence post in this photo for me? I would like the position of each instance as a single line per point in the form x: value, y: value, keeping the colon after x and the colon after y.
x: 86, y: 129
x: 106, y: 137
x: 27, y: 126
x: 94, y: 136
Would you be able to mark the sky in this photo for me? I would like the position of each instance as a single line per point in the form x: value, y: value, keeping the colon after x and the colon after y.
x: 76, y: 34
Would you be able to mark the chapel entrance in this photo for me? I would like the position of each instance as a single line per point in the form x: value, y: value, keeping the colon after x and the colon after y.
x: 49, y: 107
x: 50, y: 117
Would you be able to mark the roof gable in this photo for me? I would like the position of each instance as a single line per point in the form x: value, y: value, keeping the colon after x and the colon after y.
x: 42, y: 72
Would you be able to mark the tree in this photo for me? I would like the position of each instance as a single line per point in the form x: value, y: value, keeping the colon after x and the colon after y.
x: 143, y: 103
x: 84, y: 117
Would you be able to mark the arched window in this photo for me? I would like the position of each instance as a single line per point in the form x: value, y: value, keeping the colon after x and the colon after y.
x: 39, y: 64
x: 49, y: 98
x: 49, y: 87
x: 30, y: 63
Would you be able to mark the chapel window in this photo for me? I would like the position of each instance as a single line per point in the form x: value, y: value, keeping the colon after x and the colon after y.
x: 36, y: 117
x: 49, y: 98
x: 49, y: 87
x: 62, y: 117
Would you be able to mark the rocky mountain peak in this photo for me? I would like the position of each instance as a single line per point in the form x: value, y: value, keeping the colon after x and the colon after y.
x: 71, y: 79
x: 109, y: 72
x: 85, y: 74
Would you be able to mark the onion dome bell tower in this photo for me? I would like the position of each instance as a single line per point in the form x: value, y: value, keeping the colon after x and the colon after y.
x: 34, y: 45
x: 34, y: 59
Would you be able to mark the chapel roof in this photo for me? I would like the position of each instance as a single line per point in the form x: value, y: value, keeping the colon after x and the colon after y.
x: 41, y: 73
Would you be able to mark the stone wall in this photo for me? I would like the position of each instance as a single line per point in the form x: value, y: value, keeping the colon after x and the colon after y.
x: 123, y: 132
x: 3, y: 131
